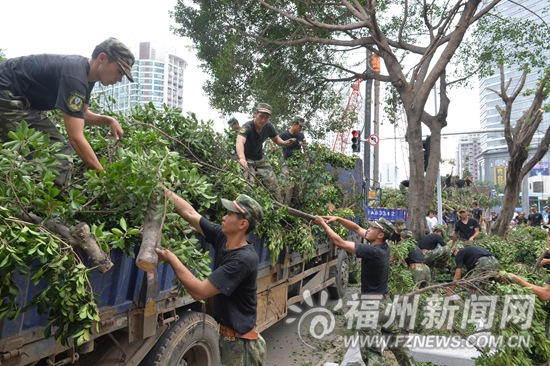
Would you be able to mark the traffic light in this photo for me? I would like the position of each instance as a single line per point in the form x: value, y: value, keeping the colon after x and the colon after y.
x: 426, y: 146
x: 355, y: 141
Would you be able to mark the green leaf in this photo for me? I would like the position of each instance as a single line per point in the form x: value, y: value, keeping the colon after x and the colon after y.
x: 117, y: 232
x: 123, y: 223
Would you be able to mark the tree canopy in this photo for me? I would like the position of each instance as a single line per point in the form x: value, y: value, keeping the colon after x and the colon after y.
x: 299, y: 55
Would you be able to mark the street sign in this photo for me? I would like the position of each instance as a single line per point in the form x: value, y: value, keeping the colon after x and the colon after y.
x: 374, y: 139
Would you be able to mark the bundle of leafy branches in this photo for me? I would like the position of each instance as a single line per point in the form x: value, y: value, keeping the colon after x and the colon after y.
x: 516, y: 254
x: 158, y: 146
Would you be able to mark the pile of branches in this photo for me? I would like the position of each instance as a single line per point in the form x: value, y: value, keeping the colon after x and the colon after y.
x: 44, y: 229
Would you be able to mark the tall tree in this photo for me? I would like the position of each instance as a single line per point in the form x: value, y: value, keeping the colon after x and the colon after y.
x: 518, y: 140
x: 293, y: 52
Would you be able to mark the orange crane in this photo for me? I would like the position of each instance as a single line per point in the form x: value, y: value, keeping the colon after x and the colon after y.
x: 341, y: 140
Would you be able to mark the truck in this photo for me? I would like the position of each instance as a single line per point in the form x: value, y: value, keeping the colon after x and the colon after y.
x: 144, y: 320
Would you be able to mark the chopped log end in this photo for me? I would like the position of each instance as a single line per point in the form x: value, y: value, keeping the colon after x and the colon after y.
x: 146, y: 266
x: 105, y: 266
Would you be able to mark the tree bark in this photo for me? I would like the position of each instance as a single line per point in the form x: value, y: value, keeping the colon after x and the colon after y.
x: 518, y: 140
x: 78, y: 236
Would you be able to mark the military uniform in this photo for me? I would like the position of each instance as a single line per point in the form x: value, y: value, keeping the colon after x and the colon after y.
x: 234, y: 275
x: 375, y: 266
x: 258, y: 163
x: 420, y: 271
x: 476, y: 259
x: 30, y: 85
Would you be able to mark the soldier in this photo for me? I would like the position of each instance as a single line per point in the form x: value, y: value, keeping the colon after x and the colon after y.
x: 234, y: 124
x: 399, y: 227
x: 474, y: 258
x: 375, y: 269
x: 466, y: 228
x: 232, y: 282
x: 250, y: 143
x: 30, y: 85
x: 295, y: 132
x: 420, y: 271
x: 436, y: 252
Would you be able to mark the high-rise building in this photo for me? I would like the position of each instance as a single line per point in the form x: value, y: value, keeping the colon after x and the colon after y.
x: 493, y: 160
x: 466, y: 152
x: 158, y: 74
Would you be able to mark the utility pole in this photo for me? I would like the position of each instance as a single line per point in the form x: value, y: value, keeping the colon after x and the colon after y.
x: 439, y: 200
x: 376, y: 169
x: 366, y: 128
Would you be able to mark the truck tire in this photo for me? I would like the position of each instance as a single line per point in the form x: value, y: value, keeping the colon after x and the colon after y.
x: 341, y: 272
x: 188, y: 342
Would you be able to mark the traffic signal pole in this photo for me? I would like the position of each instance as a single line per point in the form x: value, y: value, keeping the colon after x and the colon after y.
x: 366, y: 128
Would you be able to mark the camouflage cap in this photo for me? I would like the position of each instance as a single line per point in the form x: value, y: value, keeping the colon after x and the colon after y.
x: 122, y: 54
x: 534, y: 205
x: 246, y: 206
x: 400, y: 224
x: 438, y: 227
x: 406, y: 234
x: 383, y: 225
x: 462, y: 209
x: 232, y: 121
x: 546, y: 208
x: 299, y: 120
x: 264, y: 107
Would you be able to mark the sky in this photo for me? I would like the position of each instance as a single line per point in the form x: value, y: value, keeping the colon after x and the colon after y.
x: 66, y: 27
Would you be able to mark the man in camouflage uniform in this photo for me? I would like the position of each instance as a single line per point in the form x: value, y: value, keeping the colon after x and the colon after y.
x: 249, y: 148
x: 375, y: 269
x: 30, y: 85
x: 436, y: 252
x: 420, y: 271
x: 475, y: 259
x: 232, y: 282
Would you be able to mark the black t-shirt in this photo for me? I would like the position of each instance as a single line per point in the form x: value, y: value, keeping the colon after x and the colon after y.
x: 431, y: 240
x: 469, y: 256
x: 476, y: 213
x: 548, y: 281
x: 460, y: 183
x: 415, y: 256
x: 521, y: 220
x: 235, y: 275
x: 468, y: 182
x: 447, y: 182
x: 375, y: 267
x: 254, y: 140
x: 288, y: 150
x: 49, y: 81
x: 395, y: 237
x: 535, y: 219
x: 466, y: 231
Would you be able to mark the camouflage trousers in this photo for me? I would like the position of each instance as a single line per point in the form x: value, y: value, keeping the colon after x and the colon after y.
x: 486, y: 264
x: 373, y: 354
x: 242, y: 352
x: 262, y: 170
x: 14, y: 109
x: 438, y: 257
x: 421, y: 275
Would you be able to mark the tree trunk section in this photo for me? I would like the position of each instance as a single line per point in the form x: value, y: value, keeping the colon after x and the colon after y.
x: 147, y: 258
x: 86, y: 242
x: 511, y: 194
x: 78, y: 236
